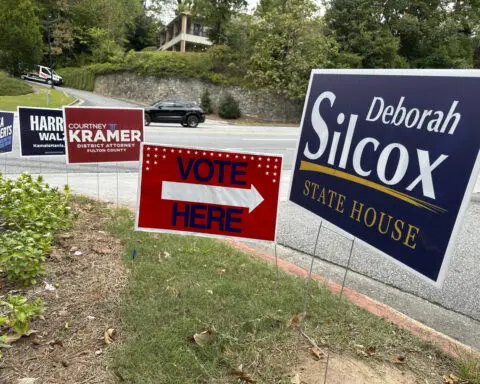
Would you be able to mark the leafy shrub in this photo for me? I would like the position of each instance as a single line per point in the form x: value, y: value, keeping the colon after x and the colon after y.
x: 229, y: 108
x: 19, y: 313
x: 149, y: 49
x: 79, y: 78
x: 190, y: 65
x: 22, y: 255
x: 30, y: 213
x: 206, y: 102
x: 10, y: 86
x: 31, y: 204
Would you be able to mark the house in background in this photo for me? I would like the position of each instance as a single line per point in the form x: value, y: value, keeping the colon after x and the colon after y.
x: 184, y: 34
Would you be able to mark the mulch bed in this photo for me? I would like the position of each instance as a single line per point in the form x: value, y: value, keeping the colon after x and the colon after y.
x: 87, y: 270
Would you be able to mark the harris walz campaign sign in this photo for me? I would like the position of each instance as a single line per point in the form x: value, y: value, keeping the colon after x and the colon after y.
x: 41, y: 131
x: 391, y: 156
x: 208, y: 192
x: 99, y: 135
x: 6, y: 132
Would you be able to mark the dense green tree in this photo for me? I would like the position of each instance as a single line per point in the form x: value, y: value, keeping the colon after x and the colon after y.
x: 266, y: 6
x: 113, y: 16
x: 143, y: 33
x: 419, y: 33
x: 82, y: 27
x: 431, y: 33
x: 361, y: 30
x: 287, y: 45
x: 235, y: 56
x: 21, y: 40
x: 216, y: 15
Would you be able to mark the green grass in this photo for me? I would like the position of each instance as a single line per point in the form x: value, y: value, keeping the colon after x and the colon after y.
x: 468, y: 368
x: 206, y: 285
x: 10, y: 86
x: 39, y: 99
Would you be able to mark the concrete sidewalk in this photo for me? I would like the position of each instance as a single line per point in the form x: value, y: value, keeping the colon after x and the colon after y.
x: 121, y: 188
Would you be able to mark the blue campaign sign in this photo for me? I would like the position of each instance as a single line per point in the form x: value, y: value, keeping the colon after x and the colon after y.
x: 41, y: 131
x: 391, y: 157
x: 6, y: 132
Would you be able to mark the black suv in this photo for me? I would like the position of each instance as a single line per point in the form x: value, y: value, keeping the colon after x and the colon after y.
x: 175, y: 111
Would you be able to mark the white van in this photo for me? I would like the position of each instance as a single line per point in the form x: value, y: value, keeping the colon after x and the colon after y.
x: 43, y: 74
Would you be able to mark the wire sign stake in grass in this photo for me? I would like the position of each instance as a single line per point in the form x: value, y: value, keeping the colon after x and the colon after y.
x: 208, y: 192
x: 347, y: 268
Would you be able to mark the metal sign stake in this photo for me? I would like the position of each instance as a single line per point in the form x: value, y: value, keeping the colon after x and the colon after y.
x: 98, y: 182
x: 339, y: 299
x: 116, y: 168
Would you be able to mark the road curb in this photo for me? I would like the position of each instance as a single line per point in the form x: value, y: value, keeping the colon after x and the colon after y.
x: 76, y: 102
x: 447, y: 344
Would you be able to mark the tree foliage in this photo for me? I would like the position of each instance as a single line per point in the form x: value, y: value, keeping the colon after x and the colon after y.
x: 143, y: 33
x: 82, y: 31
x: 275, y: 48
x: 359, y: 30
x: 287, y: 46
x: 21, y: 41
x: 216, y: 15
x: 413, y: 33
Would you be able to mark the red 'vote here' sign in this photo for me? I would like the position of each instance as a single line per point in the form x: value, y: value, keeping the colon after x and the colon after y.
x: 208, y: 192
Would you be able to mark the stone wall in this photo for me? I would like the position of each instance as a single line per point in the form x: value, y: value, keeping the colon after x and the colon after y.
x: 148, y: 89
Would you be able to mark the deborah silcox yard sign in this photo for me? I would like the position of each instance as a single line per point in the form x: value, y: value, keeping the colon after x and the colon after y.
x: 391, y: 157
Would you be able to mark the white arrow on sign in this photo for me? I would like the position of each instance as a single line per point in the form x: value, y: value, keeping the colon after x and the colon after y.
x: 209, y: 194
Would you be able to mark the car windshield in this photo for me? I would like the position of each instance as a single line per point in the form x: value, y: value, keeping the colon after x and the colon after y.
x: 47, y: 70
x: 177, y: 103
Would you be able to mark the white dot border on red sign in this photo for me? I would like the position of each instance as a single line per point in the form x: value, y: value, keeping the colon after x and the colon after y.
x: 264, y: 160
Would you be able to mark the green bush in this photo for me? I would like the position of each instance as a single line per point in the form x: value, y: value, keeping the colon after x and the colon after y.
x: 206, y: 102
x: 189, y: 65
x: 229, y: 108
x: 79, y: 78
x: 31, y: 204
x: 10, y: 86
x: 30, y: 214
x: 19, y: 312
x: 22, y: 255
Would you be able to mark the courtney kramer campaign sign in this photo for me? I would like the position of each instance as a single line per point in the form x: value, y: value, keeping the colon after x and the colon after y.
x: 97, y: 135
x: 41, y: 131
x: 6, y: 132
x: 391, y: 156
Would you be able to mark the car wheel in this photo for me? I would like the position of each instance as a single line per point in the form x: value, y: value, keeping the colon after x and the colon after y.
x: 49, y: 81
x: 148, y: 119
x: 192, y: 121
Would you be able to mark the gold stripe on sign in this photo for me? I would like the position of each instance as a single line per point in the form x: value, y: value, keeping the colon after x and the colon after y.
x: 308, y: 166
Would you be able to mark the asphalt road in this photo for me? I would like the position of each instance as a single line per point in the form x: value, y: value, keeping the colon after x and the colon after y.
x: 213, y: 134
x: 454, y: 309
